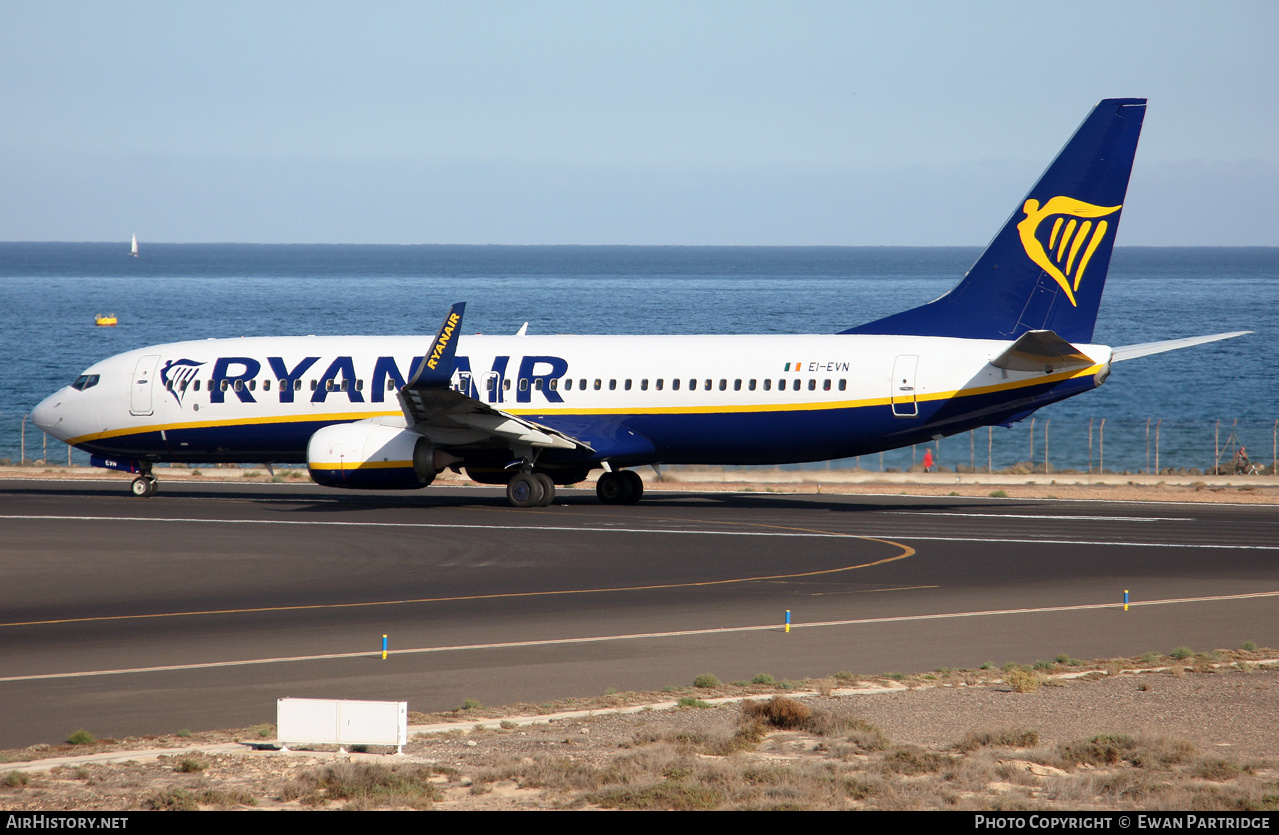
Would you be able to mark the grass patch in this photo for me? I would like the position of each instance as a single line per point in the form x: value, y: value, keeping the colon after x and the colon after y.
x: 911, y: 761
x: 1113, y: 749
x: 226, y: 799
x: 667, y: 795
x: 1220, y: 770
x: 172, y: 800
x: 81, y: 737
x: 1002, y: 738
x: 15, y: 779
x: 367, y: 785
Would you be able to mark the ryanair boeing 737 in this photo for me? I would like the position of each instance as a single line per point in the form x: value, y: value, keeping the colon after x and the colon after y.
x: 532, y: 412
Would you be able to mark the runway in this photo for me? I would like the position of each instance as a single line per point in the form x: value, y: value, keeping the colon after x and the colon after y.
x: 200, y: 607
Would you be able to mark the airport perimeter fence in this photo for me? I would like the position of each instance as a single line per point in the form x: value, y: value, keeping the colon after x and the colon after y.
x: 1038, y: 445
x: 1097, y: 445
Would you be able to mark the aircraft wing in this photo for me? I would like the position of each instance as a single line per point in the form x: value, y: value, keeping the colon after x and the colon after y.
x: 1128, y: 352
x: 433, y: 408
x: 447, y: 414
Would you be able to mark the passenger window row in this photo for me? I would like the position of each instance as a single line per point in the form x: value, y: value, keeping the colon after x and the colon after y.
x: 252, y: 385
x: 707, y: 384
x: 584, y: 384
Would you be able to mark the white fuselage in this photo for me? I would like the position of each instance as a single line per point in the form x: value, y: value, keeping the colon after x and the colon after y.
x: 634, y: 399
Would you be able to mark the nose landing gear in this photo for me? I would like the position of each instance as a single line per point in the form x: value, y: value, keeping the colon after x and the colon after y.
x: 145, y: 486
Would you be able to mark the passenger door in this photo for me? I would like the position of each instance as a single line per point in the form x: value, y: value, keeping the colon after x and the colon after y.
x: 140, y: 387
x: 903, y: 386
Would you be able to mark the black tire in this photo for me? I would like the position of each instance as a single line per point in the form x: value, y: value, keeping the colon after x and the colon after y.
x: 548, y: 489
x: 614, y: 488
x: 637, y: 486
x: 524, y: 490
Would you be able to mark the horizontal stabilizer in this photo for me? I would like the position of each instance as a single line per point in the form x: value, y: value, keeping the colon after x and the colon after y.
x: 1128, y: 352
x: 1041, y: 351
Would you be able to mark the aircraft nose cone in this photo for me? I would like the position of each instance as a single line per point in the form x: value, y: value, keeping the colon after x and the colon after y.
x: 47, y: 416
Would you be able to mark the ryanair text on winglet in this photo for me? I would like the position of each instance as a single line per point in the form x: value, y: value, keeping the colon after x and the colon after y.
x: 446, y: 334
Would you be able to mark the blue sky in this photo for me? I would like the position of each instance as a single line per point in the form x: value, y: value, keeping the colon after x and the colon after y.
x: 620, y: 123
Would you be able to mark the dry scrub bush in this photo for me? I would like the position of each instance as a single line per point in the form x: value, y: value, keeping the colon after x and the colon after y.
x: 1022, y: 681
x: 779, y: 711
x: 369, y: 784
x: 1001, y: 738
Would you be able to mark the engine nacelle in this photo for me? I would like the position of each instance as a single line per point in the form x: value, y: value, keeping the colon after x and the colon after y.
x: 369, y: 456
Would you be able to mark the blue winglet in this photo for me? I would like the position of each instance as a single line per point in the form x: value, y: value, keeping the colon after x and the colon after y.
x: 436, y: 368
x: 1046, y: 268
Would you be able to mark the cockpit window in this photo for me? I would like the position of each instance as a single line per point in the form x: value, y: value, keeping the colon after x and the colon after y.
x: 85, y: 381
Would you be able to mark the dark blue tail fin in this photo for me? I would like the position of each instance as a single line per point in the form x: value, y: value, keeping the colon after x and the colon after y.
x: 1046, y: 268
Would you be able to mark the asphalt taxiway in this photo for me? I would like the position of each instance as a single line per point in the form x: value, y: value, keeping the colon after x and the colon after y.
x: 198, y: 608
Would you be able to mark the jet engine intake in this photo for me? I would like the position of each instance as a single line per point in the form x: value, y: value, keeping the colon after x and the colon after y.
x: 369, y: 456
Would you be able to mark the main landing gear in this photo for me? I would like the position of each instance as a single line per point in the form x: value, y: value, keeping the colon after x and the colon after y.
x: 145, y: 486
x: 620, y: 487
x: 530, y: 490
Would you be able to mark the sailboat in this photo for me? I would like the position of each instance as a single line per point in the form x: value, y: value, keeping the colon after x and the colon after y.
x: 134, y: 251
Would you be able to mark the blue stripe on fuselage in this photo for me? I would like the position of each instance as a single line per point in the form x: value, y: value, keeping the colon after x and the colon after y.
x: 758, y: 437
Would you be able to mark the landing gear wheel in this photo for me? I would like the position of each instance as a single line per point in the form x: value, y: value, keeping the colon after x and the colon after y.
x: 614, y: 488
x: 144, y: 486
x: 524, y: 490
x: 637, y: 486
x: 548, y: 489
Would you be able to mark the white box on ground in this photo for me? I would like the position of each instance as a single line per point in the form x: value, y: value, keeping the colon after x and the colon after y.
x: 342, y: 722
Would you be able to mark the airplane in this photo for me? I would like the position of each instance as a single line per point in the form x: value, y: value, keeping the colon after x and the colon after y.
x: 534, y: 412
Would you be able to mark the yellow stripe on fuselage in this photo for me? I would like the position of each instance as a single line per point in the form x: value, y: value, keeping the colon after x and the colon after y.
x: 331, y: 417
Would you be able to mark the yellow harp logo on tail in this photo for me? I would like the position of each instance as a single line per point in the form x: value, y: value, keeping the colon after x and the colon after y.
x: 1070, y: 242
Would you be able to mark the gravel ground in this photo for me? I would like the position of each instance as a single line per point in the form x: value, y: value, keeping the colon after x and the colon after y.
x: 503, y: 759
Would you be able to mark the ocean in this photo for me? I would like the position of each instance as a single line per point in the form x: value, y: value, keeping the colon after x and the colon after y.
x: 1196, y: 401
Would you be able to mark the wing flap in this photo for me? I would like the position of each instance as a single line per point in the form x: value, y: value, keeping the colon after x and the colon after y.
x: 443, y: 411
